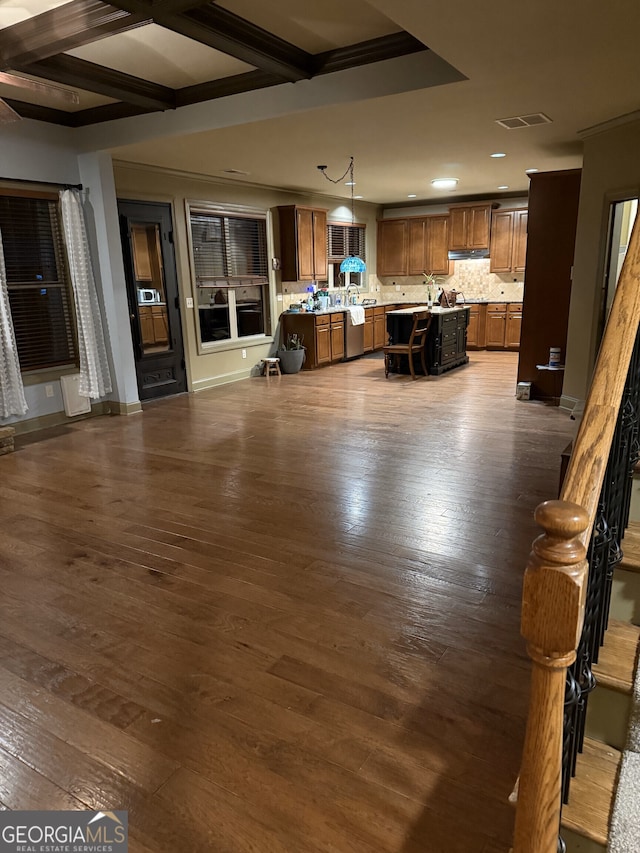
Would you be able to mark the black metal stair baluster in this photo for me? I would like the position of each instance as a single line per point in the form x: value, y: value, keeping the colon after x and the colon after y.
x: 603, y: 556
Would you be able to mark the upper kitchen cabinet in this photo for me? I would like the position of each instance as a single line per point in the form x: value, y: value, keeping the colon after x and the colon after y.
x: 429, y: 245
x: 303, y: 243
x: 413, y: 246
x: 392, y: 247
x: 508, y: 241
x: 469, y: 227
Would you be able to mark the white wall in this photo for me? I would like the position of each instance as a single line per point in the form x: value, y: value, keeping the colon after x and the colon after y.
x: 611, y: 171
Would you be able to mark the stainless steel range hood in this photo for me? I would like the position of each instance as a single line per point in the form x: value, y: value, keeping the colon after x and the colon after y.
x: 469, y: 255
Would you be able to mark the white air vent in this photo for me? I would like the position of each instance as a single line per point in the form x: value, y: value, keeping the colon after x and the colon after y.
x: 529, y: 120
x: 74, y: 404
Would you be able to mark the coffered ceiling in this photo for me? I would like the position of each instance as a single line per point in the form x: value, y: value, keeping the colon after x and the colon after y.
x: 411, y: 88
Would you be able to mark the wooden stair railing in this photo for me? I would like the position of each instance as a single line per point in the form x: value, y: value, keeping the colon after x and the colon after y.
x: 555, y: 583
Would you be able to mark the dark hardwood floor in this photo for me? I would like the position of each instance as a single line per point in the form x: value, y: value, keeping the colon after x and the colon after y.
x: 278, y: 616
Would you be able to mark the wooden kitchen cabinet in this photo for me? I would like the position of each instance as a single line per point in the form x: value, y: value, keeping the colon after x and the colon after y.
x: 303, y: 243
x: 496, y: 325
x: 322, y: 336
x: 337, y: 336
x: 503, y: 325
x: 141, y: 254
x: 477, y: 328
x: 508, y: 241
x: 428, y: 245
x: 379, y: 327
x: 392, y: 247
x: 154, y: 326
x: 514, y: 326
x: 469, y: 227
x: 368, y: 329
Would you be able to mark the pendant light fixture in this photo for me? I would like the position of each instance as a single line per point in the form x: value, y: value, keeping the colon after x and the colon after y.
x: 353, y: 263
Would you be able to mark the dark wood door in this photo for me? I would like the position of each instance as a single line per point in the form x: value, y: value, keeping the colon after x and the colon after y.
x: 146, y: 231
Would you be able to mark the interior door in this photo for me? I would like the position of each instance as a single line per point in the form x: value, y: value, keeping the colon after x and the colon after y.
x: 146, y: 231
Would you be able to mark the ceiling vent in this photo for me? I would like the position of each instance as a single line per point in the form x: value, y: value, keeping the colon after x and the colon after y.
x: 529, y: 120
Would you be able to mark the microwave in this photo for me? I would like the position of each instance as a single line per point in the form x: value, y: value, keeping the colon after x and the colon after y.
x: 147, y: 294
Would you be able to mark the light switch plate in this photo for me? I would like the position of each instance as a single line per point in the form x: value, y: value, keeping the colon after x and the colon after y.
x: 189, y: 301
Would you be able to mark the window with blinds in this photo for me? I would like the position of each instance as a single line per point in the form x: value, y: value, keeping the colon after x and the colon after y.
x: 345, y: 240
x: 228, y: 250
x: 231, y: 268
x: 38, y: 282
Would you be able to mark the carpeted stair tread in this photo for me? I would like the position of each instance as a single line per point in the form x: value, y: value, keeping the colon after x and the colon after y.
x: 631, y: 548
x: 617, y: 658
x: 591, y: 797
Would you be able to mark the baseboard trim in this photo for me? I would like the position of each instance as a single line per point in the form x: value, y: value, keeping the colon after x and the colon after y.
x: 58, y: 419
x: 223, y: 379
x: 567, y: 402
x: 118, y: 408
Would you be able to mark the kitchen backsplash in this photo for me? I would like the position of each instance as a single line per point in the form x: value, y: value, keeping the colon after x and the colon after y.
x: 472, y: 278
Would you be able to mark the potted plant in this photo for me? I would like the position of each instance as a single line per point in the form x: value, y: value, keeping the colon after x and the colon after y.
x: 291, y: 354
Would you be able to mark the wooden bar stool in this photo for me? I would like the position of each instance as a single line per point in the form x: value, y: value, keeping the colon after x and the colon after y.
x: 270, y: 366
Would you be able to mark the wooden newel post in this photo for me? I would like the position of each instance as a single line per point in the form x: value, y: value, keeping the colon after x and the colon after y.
x: 553, y: 601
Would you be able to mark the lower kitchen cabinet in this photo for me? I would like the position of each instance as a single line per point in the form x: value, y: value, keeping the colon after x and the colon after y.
x: 337, y: 336
x: 447, y: 341
x: 496, y: 325
x: 477, y: 328
x: 368, y: 329
x: 322, y: 339
x: 379, y: 327
x: 322, y: 336
x: 514, y: 326
x: 154, y: 327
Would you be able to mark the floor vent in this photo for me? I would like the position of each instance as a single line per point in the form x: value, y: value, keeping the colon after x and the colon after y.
x: 74, y: 403
x: 530, y: 120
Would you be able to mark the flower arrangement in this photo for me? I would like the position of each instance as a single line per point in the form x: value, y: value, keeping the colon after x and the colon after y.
x: 432, y: 282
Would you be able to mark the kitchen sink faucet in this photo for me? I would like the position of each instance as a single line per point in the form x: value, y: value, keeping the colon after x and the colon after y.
x: 352, y: 300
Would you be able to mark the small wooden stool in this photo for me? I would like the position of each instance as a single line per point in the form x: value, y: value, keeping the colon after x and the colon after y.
x: 270, y: 366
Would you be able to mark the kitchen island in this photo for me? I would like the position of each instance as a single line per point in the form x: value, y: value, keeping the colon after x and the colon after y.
x: 446, y: 340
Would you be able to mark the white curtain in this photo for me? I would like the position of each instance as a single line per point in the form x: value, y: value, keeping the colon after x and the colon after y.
x: 95, y: 379
x: 12, y: 401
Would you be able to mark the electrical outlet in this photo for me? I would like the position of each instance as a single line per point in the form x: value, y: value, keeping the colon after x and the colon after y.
x: 48, y: 390
x: 189, y: 301
x: 244, y: 353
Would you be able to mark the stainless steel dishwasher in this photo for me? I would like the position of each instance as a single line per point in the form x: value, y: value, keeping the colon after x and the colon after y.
x: 353, y: 337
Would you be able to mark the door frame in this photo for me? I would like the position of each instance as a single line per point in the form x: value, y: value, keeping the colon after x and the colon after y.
x: 158, y: 374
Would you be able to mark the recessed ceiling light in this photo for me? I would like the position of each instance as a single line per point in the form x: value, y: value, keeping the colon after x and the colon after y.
x: 358, y: 196
x: 503, y: 187
x: 498, y: 154
x: 349, y: 183
x: 444, y: 183
x: 412, y: 195
x: 529, y: 171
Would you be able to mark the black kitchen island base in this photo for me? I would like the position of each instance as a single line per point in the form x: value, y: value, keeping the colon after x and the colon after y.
x: 446, y: 341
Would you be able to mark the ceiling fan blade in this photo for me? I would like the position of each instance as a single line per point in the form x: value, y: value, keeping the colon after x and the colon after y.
x: 7, y: 114
x: 66, y: 96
